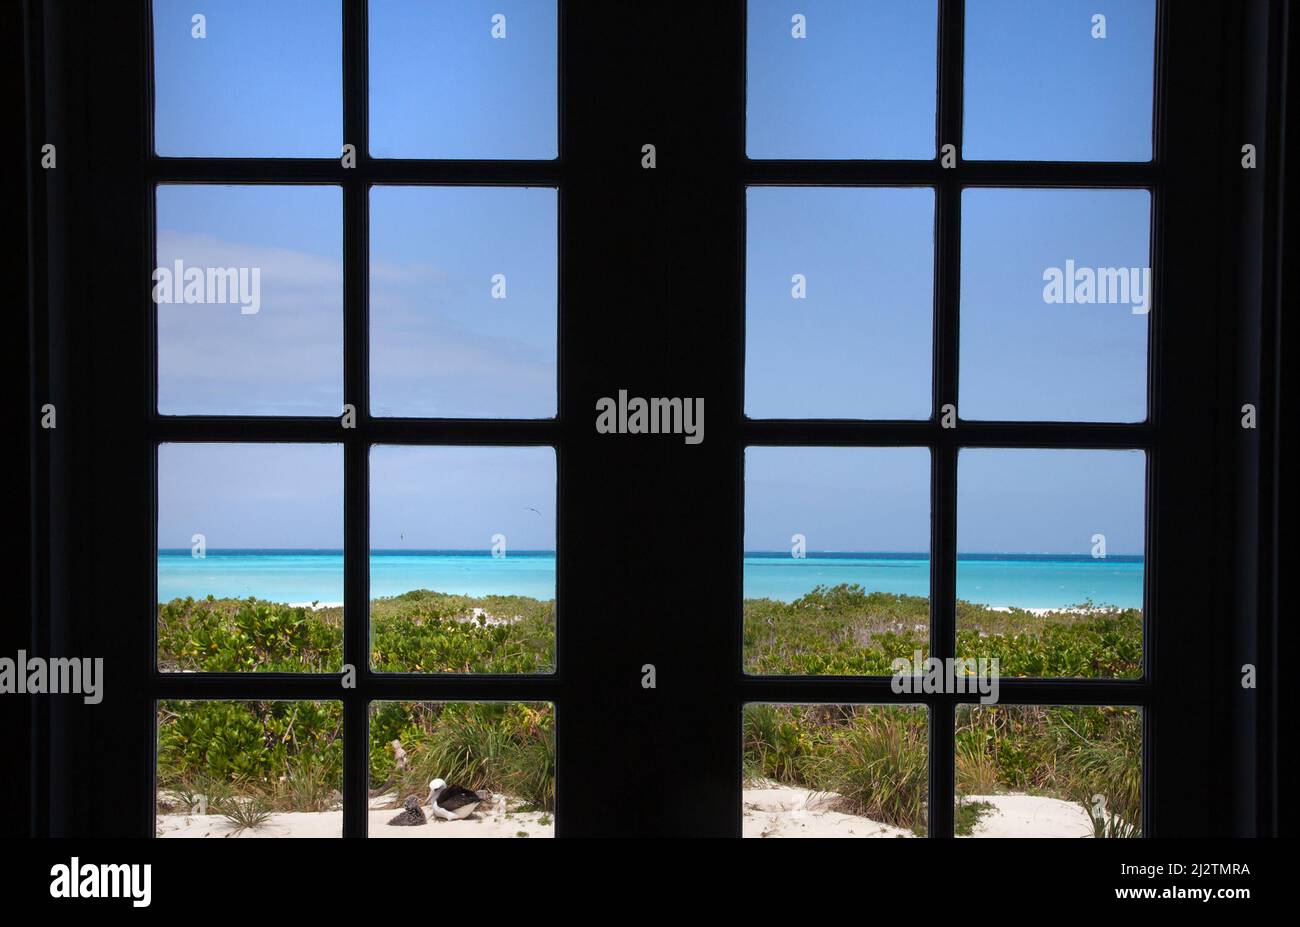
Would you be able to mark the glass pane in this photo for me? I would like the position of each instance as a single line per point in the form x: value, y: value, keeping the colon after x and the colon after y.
x: 249, y: 291
x: 246, y: 78
x: 1066, y: 80
x: 463, y: 302
x: 462, y: 559
x: 1050, y: 560
x: 835, y: 771
x: 837, y: 571
x: 463, y: 79
x: 838, y: 302
x: 1055, y: 302
x: 841, y: 79
x: 250, y: 558
x: 462, y: 769
x: 249, y: 769
x: 1035, y: 771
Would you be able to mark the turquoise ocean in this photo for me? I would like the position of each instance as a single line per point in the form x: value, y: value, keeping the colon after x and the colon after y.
x: 298, y: 576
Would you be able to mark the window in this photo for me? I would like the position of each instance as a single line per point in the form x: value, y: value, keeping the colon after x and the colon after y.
x: 890, y: 527
x: 879, y: 271
x: 355, y: 419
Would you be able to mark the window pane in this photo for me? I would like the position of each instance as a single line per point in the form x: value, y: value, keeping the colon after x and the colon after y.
x: 859, y: 83
x: 463, y: 302
x: 250, y: 769
x: 501, y: 752
x: 835, y: 771
x: 250, y: 559
x: 1049, y: 81
x: 246, y: 78
x: 838, y: 302
x: 837, y: 572
x: 249, y: 291
x: 463, y: 79
x: 1035, y: 771
x: 1050, y: 560
x: 1055, y: 302
x: 462, y: 559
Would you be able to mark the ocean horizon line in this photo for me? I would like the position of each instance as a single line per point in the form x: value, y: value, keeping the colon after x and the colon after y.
x: 757, y: 554
x: 1021, y: 579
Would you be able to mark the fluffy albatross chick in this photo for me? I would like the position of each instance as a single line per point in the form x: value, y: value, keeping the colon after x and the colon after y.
x: 411, y: 815
x: 451, y: 802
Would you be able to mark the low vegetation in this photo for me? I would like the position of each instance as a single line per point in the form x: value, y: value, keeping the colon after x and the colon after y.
x: 419, y: 632
x: 846, y: 631
x: 874, y: 758
x: 246, y: 759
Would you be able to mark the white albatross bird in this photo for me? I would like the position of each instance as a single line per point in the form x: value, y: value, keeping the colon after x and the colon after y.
x: 451, y: 802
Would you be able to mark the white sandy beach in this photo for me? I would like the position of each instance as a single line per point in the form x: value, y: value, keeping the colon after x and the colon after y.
x: 770, y: 810
x: 494, y: 821
x: 1068, y: 610
x: 786, y: 811
x: 1031, y: 816
x: 480, y: 615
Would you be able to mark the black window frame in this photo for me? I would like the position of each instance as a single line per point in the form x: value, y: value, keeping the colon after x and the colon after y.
x: 370, y: 686
x: 945, y: 443
x: 647, y: 256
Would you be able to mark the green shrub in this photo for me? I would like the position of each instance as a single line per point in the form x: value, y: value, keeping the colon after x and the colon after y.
x: 288, y: 755
x: 846, y: 631
x: 1068, y: 752
x: 248, y: 635
x: 877, y: 764
x: 778, y: 744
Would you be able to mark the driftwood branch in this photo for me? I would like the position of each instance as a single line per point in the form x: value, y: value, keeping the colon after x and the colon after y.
x: 402, y: 761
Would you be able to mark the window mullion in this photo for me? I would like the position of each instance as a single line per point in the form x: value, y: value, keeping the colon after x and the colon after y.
x: 943, y: 467
x: 356, y: 340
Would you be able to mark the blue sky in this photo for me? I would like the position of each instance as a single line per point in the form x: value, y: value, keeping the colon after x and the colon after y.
x: 441, y: 345
x: 844, y: 499
x: 1008, y: 500
x: 1040, y: 87
x: 442, y: 87
x: 861, y: 84
x: 266, y: 82
x: 1032, y: 500
x: 291, y: 495
x: 287, y: 359
x: 1024, y: 359
x: 435, y: 498
x: 251, y: 495
x: 859, y: 344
